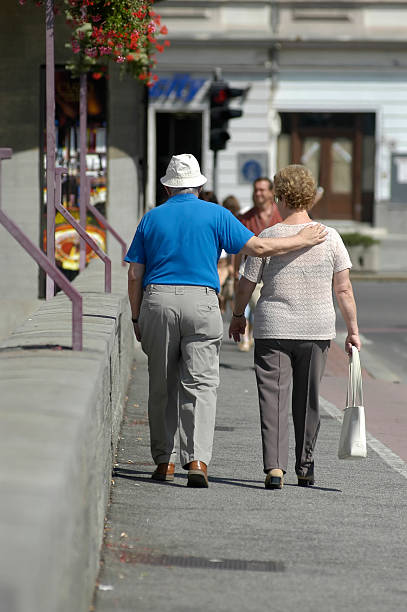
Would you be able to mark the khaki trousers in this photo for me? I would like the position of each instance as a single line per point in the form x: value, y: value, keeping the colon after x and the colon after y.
x: 181, y: 331
x: 278, y: 363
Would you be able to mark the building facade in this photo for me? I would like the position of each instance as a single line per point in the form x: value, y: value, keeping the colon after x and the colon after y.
x: 327, y: 86
x: 115, y: 156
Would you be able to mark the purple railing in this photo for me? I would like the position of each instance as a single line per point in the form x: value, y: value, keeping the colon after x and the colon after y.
x: 81, y: 230
x: 96, y: 213
x: 49, y: 268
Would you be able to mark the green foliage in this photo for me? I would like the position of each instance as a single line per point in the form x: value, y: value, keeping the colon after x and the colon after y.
x: 352, y: 239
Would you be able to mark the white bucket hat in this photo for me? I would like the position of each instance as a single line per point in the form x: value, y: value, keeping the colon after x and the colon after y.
x: 183, y: 171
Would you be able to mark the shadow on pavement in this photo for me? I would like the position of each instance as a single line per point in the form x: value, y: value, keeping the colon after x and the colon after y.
x: 143, y: 476
x: 314, y: 487
x: 242, y: 483
x: 228, y: 366
x: 137, y: 475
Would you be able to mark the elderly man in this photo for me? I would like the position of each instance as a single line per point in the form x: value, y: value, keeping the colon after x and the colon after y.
x: 173, y: 285
x: 263, y: 214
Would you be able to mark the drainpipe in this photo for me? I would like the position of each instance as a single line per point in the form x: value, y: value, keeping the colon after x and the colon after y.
x: 83, y: 110
x: 50, y: 125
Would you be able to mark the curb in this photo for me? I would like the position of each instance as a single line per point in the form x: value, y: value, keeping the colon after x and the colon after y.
x: 391, y: 277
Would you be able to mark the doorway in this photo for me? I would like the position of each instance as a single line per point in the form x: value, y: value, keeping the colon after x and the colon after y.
x: 176, y: 133
x: 339, y: 149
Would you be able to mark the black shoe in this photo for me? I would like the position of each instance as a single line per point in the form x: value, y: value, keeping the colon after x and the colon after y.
x: 305, y: 481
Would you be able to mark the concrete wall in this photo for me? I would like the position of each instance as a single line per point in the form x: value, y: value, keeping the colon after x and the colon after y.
x: 20, y: 63
x: 126, y: 157
x: 59, y: 420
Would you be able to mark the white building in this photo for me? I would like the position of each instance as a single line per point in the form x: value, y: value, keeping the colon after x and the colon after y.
x: 328, y: 89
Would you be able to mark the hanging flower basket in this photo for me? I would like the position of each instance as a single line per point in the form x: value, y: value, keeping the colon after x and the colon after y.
x: 127, y: 32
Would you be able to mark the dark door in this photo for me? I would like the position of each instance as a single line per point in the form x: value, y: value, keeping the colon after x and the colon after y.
x: 331, y: 160
x: 176, y: 133
x: 339, y: 150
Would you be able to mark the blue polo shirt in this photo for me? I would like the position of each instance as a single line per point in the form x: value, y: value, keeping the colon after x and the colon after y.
x: 180, y: 241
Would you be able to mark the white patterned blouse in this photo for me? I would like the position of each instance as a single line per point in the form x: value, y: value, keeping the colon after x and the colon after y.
x: 296, y: 300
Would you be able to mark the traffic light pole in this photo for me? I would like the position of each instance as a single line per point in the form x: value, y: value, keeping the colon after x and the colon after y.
x: 215, y: 172
x: 220, y: 94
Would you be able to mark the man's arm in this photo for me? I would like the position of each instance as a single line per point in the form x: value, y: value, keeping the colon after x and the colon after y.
x: 135, y: 288
x: 346, y: 302
x: 267, y: 247
x: 238, y: 323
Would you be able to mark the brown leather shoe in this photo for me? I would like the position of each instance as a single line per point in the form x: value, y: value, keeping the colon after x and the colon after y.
x: 164, y: 471
x: 197, y: 475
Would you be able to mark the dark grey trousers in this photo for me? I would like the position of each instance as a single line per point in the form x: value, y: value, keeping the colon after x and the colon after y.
x: 278, y: 363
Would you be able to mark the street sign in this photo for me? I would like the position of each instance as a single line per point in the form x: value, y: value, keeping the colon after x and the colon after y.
x: 251, y: 166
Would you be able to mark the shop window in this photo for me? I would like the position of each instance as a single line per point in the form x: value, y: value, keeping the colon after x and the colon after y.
x: 311, y: 155
x: 67, y: 155
x: 283, y: 151
x: 342, y: 165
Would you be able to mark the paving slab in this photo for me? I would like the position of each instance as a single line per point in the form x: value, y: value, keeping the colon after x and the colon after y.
x: 340, y: 545
x: 385, y: 401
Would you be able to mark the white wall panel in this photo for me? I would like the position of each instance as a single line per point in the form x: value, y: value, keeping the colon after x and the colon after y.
x: 249, y: 134
x: 354, y: 93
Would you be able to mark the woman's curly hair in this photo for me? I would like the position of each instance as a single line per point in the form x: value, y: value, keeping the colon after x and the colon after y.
x: 297, y: 185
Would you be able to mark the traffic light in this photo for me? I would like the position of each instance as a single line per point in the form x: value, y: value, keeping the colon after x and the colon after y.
x: 220, y: 95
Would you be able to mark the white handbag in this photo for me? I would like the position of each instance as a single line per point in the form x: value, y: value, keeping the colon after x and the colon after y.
x: 352, y: 443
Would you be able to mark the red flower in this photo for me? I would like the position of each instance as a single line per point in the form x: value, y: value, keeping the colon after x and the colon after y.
x: 119, y: 32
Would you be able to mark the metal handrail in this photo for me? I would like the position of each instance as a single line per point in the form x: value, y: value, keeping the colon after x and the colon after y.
x: 102, y: 219
x: 48, y: 267
x: 81, y: 231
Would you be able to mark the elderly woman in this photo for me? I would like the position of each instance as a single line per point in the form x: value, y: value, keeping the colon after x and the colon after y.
x: 293, y: 324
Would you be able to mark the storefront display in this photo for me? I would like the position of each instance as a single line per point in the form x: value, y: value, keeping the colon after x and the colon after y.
x: 68, y: 156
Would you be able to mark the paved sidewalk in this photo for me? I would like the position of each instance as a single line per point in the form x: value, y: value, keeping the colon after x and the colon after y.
x: 385, y: 402
x: 340, y: 545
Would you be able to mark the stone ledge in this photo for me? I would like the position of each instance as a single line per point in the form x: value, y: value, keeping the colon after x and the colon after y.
x: 60, y: 415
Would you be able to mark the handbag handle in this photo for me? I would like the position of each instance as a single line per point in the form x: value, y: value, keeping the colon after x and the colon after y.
x: 354, y: 396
